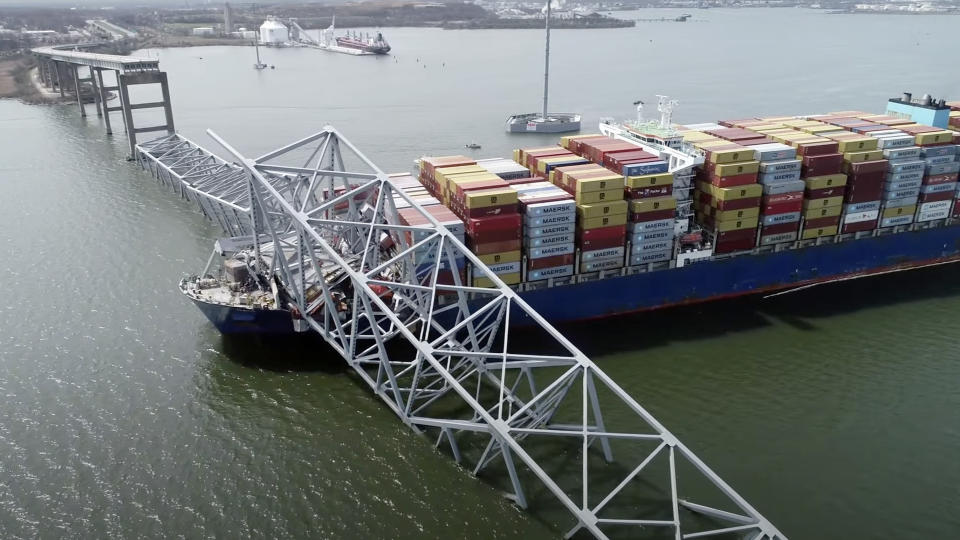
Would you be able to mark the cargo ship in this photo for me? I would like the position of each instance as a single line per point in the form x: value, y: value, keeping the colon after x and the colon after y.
x: 645, y: 215
x: 367, y: 44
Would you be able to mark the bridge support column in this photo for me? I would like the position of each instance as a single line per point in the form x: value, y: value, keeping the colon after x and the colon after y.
x: 124, y: 81
x: 76, y: 87
x: 98, y: 75
x: 56, y: 66
x: 42, y: 70
x: 97, y: 104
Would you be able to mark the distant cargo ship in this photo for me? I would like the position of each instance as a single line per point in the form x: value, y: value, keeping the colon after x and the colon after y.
x: 646, y: 215
x: 367, y: 44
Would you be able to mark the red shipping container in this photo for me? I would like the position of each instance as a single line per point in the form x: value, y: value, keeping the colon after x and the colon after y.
x: 487, y: 248
x: 824, y: 193
x: 821, y: 222
x: 866, y: 166
x: 782, y: 198
x: 738, y: 245
x: 782, y: 208
x: 934, y: 197
x: 859, y: 193
x: 732, y: 181
x: 647, y: 192
x: 878, y: 176
x: 781, y: 228
x: 818, y: 148
x: 822, y: 164
x: 939, y: 179
x: 755, y: 141
x: 498, y: 224
x: 737, y: 204
x: 550, y: 262
x: 737, y: 235
x: 601, y: 238
x: 489, y: 211
x: 653, y: 216
x: 858, y: 227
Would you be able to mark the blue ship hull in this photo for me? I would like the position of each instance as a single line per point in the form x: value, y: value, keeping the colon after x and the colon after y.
x: 698, y: 282
x: 234, y: 320
x: 746, y: 274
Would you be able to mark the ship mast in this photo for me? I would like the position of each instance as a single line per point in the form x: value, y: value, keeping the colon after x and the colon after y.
x: 546, y: 63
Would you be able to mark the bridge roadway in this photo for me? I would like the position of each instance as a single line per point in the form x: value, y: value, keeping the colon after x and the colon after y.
x: 59, y: 68
x: 443, y: 354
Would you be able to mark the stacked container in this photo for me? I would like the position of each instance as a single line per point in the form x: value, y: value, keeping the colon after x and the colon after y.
x: 782, y: 202
x: 601, y: 217
x: 903, y: 177
x: 549, y: 227
x: 866, y: 170
x: 728, y: 196
x: 650, y: 240
x: 821, y: 170
x: 939, y: 186
x: 425, y: 257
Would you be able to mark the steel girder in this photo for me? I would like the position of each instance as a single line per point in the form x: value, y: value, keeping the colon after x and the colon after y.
x: 445, y: 356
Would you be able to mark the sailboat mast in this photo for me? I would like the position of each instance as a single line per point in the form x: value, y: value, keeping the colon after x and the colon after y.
x: 256, y: 45
x: 546, y: 62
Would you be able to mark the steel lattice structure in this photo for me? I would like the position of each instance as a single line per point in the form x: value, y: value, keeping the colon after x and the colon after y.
x: 445, y: 356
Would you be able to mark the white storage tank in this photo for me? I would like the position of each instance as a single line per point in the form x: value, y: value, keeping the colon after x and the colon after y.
x: 273, y: 32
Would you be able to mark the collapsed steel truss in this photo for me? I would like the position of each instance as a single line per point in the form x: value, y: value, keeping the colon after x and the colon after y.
x: 443, y: 354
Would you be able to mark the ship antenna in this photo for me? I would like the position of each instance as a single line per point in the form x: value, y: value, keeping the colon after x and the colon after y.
x: 546, y: 62
x: 639, y: 105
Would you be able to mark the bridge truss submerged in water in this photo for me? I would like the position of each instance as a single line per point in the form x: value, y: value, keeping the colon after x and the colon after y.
x: 525, y: 407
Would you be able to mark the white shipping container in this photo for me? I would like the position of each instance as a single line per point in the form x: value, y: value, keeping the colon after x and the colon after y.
x: 778, y: 238
x: 932, y: 215
x: 505, y: 268
x: 780, y: 166
x: 903, y: 201
x: 601, y: 264
x: 934, y: 206
x: 909, y: 152
x: 646, y: 226
x: 550, y: 251
x: 860, y: 217
x: 546, y: 273
x: 656, y: 245
x: 607, y: 253
x: 894, y: 221
x: 551, y: 208
x: 651, y: 257
x: 542, y: 221
x: 552, y: 240
x: 549, y: 230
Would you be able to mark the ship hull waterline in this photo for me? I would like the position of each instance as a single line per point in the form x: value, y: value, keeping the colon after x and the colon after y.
x: 699, y: 282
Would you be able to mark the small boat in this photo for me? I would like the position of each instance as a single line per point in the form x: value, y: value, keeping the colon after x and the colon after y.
x: 472, y: 146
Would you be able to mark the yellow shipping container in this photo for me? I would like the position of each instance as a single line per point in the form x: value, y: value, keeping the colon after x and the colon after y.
x: 858, y: 144
x: 734, y: 193
x: 594, y: 197
x: 858, y: 157
x: 450, y: 182
x: 510, y: 279
x: 934, y: 137
x: 819, y: 128
x: 825, y: 181
x: 733, y: 169
x: 822, y: 212
x: 649, y: 180
x: 588, y: 211
x: 653, y: 204
x: 728, y: 215
x: 816, y: 233
x: 899, y: 211
x: 500, y: 258
x: 516, y: 155
x: 737, y: 224
x: 490, y: 197
x: 735, y: 157
x: 823, y: 202
x: 603, y: 221
x: 603, y: 183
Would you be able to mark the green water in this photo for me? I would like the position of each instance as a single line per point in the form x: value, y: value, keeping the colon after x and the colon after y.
x: 125, y: 414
